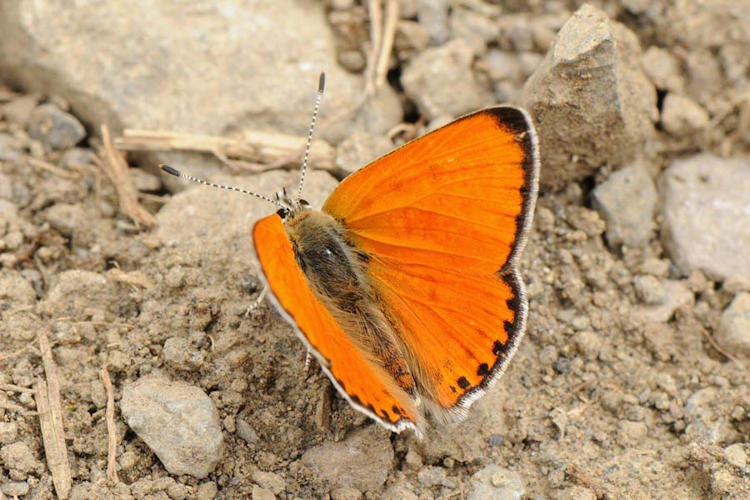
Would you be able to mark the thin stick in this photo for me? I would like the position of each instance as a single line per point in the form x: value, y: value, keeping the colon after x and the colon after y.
x: 48, y: 167
x: 111, y: 429
x: 5, y: 405
x: 15, y: 388
x: 251, y: 148
x: 121, y: 277
x: 50, y: 420
x: 389, y: 34
x: 718, y: 348
x: 308, y: 144
x: 375, y: 10
x: 119, y: 173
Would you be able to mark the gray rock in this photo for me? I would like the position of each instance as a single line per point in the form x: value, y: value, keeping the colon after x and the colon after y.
x: 19, y: 461
x: 399, y: 491
x: 495, y: 483
x: 440, y: 81
x: 576, y: 493
x: 627, y: 202
x: 430, y: 475
x: 206, y: 491
x: 269, y: 480
x: 353, y: 60
x: 179, y: 353
x: 707, y: 217
x: 224, y: 73
x: 734, y: 326
x: 55, y: 128
x: 674, y: 294
x: 433, y: 16
x: 591, y: 99
x: 76, y: 157
x: 77, y: 293
x: 502, y: 65
x: 179, y: 422
x: 663, y: 69
x: 361, y: 461
x: 735, y: 455
x: 8, y: 432
x: 260, y: 493
x: 474, y: 27
x: 66, y: 217
x: 681, y: 115
x: 15, y: 290
x: 15, y: 488
x: 359, y: 149
x: 649, y: 289
x: 346, y: 493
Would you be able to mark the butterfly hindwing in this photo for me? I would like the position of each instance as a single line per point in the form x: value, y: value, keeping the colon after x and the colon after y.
x: 365, y: 385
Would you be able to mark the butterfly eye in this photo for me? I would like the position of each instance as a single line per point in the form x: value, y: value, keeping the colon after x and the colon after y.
x: 304, y: 203
x: 283, y: 213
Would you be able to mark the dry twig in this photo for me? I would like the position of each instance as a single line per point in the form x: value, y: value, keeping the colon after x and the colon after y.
x: 115, y: 274
x: 382, y: 34
x: 252, y: 150
x: 48, y: 167
x: 113, y: 164
x: 718, y: 348
x: 111, y: 429
x: 15, y: 388
x: 49, y: 406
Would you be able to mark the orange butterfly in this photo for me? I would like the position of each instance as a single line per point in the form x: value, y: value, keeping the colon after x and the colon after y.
x: 405, y: 286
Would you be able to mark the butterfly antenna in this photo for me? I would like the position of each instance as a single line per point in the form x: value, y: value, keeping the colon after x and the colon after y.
x: 177, y: 173
x: 308, y: 145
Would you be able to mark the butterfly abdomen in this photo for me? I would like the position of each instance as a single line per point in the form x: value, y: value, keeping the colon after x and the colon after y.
x: 336, y: 273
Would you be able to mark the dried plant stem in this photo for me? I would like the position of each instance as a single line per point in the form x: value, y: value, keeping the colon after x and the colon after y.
x: 111, y: 429
x: 113, y: 164
x: 49, y: 406
x: 245, y: 152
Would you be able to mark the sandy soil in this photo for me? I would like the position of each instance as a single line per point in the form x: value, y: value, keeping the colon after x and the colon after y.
x: 598, y: 403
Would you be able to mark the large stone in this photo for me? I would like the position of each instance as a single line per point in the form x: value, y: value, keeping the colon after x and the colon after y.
x: 211, y: 69
x: 627, y: 201
x: 78, y: 293
x: 361, y: 461
x: 681, y: 115
x: 179, y: 422
x: 734, y: 326
x: 707, y: 215
x: 441, y: 83
x: 591, y: 100
x: 495, y: 483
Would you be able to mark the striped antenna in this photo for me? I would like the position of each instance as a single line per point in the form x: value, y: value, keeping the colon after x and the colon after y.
x: 321, y: 88
x: 177, y: 173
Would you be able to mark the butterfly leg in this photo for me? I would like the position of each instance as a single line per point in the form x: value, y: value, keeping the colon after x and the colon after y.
x: 257, y: 302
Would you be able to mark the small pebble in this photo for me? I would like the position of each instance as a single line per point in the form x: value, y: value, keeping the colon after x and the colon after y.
x: 55, y: 128
x: 735, y: 455
x: 649, y: 289
x: 682, y: 116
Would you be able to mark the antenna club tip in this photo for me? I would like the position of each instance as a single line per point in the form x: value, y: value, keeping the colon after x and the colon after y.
x: 322, y: 82
x: 169, y: 170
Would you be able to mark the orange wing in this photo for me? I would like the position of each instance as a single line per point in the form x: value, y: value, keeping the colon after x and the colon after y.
x: 443, y: 219
x: 366, y: 386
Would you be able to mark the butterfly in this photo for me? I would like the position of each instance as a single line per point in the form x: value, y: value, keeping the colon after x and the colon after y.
x: 405, y: 285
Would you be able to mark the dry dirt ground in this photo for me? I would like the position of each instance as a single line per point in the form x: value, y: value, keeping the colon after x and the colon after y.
x: 605, y: 398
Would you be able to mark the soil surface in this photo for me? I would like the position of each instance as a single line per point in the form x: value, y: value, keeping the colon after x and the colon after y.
x: 620, y: 388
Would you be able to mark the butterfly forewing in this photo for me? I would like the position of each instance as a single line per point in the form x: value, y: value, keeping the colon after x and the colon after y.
x: 442, y: 219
